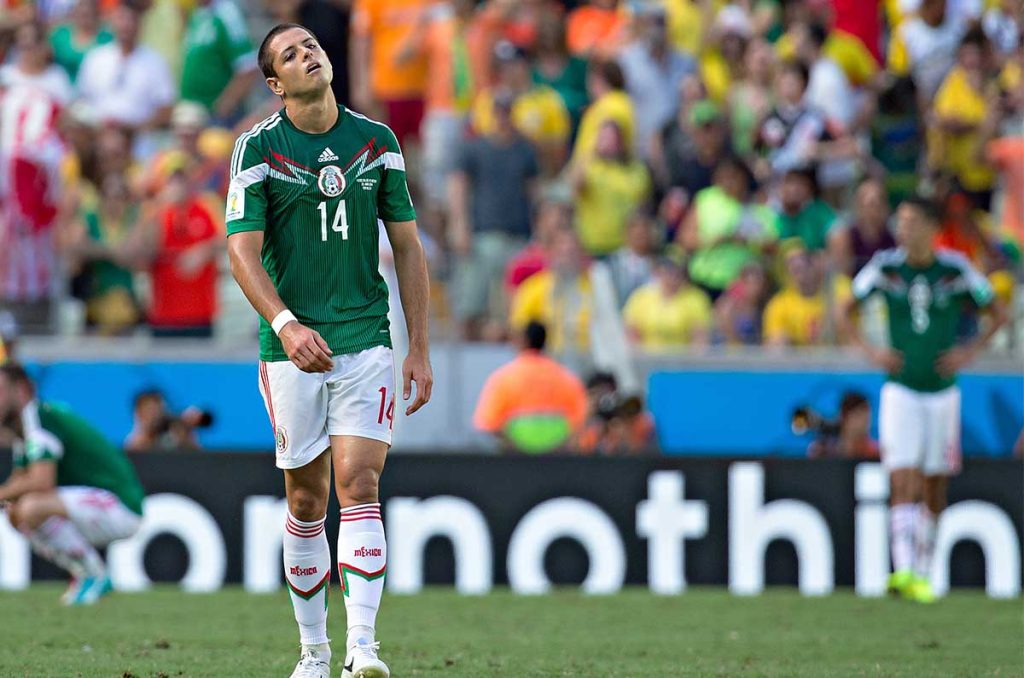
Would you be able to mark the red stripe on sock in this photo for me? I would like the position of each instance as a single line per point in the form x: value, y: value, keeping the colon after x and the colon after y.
x: 362, y: 507
x: 360, y: 513
x: 355, y: 520
x: 300, y: 532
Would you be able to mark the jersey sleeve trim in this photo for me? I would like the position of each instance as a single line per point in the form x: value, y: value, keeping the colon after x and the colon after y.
x: 394, y: 161
x: 973, y: 281
x: 250, y: 176
x: 243, y: 141
x: 867, y: 280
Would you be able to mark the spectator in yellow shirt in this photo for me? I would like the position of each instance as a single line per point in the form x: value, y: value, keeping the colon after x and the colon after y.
x: 560, y: 298
x: 957, y: 141
x: 606, y: 85
x: 539, y: 113
x: 795, y: 316
x: 669, y: 312
x: 608, y: 189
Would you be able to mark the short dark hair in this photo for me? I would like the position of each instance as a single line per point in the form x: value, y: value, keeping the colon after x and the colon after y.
x: 926, y: 206
x: 264, y: 58
x: 852, y: 400
x: 818, y: 34
x: 147, y: 394
x: 16, y: 374
x: 975, y: 36
x: 536, y: 336
x: 797, y: 67
x: 610, y: 72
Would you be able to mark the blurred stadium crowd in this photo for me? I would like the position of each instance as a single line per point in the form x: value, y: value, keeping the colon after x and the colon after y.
x: 675, y: 172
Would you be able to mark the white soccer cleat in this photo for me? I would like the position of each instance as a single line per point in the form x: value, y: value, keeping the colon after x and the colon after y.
x: 362, y: 662
x: 312, y: 664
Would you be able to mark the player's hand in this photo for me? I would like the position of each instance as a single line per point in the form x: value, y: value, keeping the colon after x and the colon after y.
x: 954, y: 360
x: 417, y: 368
x: 306, y: 348
x: 888, y: 359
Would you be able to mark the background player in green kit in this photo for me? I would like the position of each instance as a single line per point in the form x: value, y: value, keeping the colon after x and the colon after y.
x: 308, y: 186
x: 926, y: 292
x: 70, y: 491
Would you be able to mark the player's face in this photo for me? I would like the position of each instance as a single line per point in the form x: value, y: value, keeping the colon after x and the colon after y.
x: 914, y: 231
x: 301, y: 66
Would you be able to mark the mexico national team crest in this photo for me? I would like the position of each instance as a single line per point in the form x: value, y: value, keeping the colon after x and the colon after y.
x: 331, y: 181
x: 281, y: 439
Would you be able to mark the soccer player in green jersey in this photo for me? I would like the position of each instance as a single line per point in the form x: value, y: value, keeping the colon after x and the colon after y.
x: 309, y: 186
x: 926, y: 291
x: 71, y: 490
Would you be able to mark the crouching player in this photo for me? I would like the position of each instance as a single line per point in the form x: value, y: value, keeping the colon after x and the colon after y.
x: 70, y: 490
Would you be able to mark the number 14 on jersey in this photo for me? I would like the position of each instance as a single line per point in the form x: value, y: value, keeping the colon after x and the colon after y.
x: 339, y: 224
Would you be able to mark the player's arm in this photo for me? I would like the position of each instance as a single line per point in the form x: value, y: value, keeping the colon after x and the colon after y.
x: 304, y: 346
x: 245, y: 218
x: 394, y: 208
x: 414, y: 289
x: 980, y: 291
x: 864, y: 285
x: 40, y: 476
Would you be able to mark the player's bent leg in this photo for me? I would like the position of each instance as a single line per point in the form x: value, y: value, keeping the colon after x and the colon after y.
x: 307, y: 562
x: 44, y: 518
x: 362, y: 549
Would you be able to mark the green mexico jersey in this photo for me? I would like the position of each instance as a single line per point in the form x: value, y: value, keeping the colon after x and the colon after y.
x: 318, y: 199
x: 925, y: 306
x: 83, y: 456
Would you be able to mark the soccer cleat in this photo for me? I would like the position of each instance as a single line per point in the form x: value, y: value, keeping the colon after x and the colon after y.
x: 87, y: 591
x: 899, y: 582
x: 920, y: 591
x: 312, y: 664
x: 362, y: 662
x: 70, y: 593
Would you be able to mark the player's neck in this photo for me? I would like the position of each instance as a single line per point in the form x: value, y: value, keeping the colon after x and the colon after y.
x: 314, y: 116
x: 921, y: 259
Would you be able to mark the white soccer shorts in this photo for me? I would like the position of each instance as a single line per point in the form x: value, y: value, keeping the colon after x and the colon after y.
x: 356, y: 398
x: 920, y: 430
x: 98, y: 514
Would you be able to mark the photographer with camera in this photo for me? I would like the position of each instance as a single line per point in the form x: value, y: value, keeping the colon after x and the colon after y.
x: 617, y: 424
x: 155, y: 428
x: 848, y: 437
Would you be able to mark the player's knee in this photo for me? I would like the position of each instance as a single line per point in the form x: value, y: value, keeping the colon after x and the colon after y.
x: 359, y: 486
x: 31, y: 512
x: 306, y: 504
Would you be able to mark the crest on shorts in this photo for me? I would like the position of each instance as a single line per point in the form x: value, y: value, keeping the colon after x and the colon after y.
x: 331, y: 181
x: 281, y: 439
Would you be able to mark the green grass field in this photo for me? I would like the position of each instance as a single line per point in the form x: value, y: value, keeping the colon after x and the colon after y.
x: 705, y: 632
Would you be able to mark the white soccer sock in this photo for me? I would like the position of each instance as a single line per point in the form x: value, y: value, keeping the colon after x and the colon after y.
x: 902, y: 518
x: 307, y: 570
x: 362, y: 560
x: 60, y: 542
x: 925, y: 541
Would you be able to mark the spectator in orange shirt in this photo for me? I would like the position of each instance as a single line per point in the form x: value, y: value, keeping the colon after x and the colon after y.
x: 961, y: 232
x: 533, y: 405
x: 595, y: 28
x: 388, y: 66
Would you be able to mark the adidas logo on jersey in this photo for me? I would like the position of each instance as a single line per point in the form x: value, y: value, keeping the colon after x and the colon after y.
x: 327, y: 155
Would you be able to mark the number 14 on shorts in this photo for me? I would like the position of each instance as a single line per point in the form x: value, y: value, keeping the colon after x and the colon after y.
x: 387, y: 408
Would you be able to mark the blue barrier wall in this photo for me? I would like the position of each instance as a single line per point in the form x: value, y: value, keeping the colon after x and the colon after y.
x: 697, y: 412
x: 102, y: 392
x: 749, y: 413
